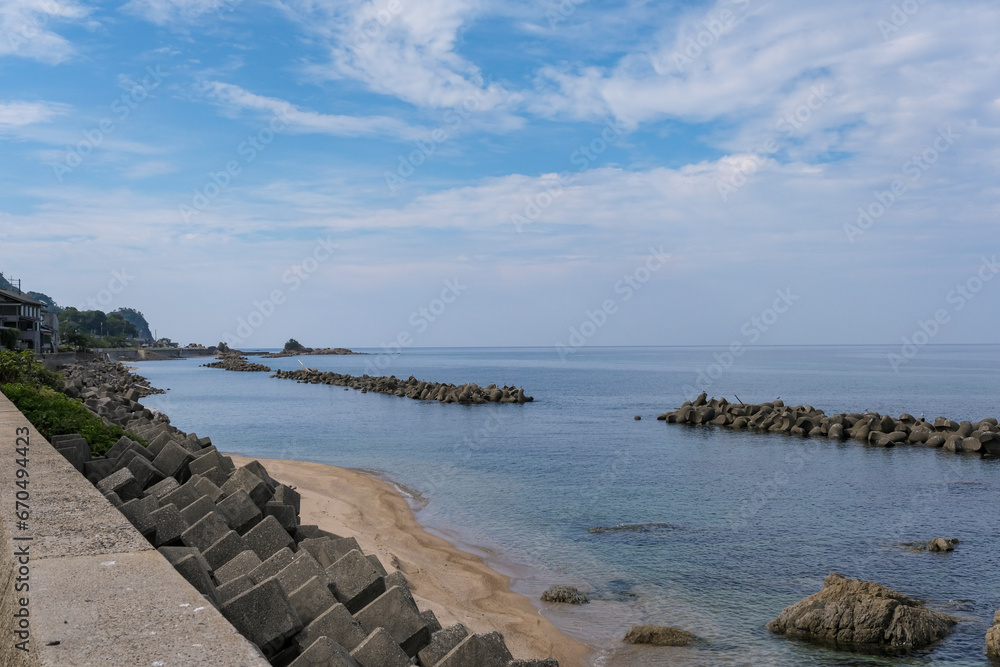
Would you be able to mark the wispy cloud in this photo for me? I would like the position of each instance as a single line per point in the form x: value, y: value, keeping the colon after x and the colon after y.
x: 27, y: 28
x: 235, y: 98
x: 171, y: 12
x: 15, y: 115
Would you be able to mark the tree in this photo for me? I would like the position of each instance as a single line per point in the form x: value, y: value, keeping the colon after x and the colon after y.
x: 9, y: 338
x: 293, y: 345
x: 137, y: 319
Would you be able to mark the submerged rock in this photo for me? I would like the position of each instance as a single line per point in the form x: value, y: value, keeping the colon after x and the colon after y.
x: 659, y: 635
x: 942, y: 544
x: 565, y: 595
x: 862, y: 616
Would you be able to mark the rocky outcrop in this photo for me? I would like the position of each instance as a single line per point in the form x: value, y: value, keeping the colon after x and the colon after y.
x: 565, y: 595
x: 302, y: 595
x: 464, y: 394
x: 658, y: 635
x: 308, y: 351
x: 239, y: 363
x: 862, y: 616
x: 982, y: 437
x: 942, y: 544
x: 993, y: 638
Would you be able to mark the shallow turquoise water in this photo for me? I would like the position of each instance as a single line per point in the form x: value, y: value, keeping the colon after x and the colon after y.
x: 753, y: 522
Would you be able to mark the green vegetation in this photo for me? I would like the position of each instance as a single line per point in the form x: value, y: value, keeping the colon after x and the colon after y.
x: 293, y: 345
x: 50, y: 303
x: 53, y: 413
x: 83, y: 329
x: 23, y: 368
x: 9, y: 338
x: 33, y: 390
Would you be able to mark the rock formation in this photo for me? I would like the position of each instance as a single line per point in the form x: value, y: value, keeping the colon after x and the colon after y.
x: 862, y: 616
x: 565, y: 595
x: 658, y: 635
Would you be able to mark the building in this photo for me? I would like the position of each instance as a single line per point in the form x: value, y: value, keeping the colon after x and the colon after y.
x: 19, y: 312
x: 50, y: 332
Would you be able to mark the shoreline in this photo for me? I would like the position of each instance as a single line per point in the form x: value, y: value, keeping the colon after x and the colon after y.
x: 460, y: 587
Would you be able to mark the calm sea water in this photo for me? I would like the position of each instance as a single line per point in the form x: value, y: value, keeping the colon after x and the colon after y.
x: 736, y: 525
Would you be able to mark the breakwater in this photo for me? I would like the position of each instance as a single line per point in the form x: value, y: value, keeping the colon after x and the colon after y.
x: 872, y: 428
x: 239, y: 363
x: 308, y: 351
x: 464, y: 394
x: 301, y: 595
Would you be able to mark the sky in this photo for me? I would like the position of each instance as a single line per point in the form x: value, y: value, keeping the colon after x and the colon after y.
x: 483, y: 173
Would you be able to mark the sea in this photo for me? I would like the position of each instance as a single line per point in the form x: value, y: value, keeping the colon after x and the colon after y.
x: 704, y: 528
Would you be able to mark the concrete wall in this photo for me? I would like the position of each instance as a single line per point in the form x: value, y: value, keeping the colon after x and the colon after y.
x: 97, y: 592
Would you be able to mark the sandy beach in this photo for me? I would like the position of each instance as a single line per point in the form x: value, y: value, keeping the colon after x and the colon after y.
x: 459, y: 587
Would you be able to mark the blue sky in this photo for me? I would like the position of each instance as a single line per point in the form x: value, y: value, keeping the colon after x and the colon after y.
x: 262, y: 169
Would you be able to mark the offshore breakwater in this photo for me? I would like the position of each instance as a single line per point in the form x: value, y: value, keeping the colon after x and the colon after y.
x: 464, y: 394
x: 872, y: 428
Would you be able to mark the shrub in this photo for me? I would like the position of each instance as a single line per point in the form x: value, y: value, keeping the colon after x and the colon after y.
x: 53, y: 413
x: 9, y: 338
x: 293, y: 345
x: 23, y: 368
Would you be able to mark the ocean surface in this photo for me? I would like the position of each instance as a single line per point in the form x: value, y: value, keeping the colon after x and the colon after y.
x: 723, y: 529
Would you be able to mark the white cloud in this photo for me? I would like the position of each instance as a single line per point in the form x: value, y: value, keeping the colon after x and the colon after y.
x: 236, y: 98
x: 168, y: 12
x: 26, y: 28
x: 15, y: 115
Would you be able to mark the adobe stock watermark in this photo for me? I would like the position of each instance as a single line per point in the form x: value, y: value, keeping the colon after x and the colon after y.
x: 365, y: 35
x: 554, y: 185
x: 899, y: 17
x: 295, y: 276
x: 32, y: 23
x: 122, y: 107
x: 453, y: 119
x: 562, y: 11
x: 594, y: 320
x: 787, y: 125
x: 119, y: 281
x: 709, y: 32
x: 247, y: 150
x: 958, y: 298
x: 912, y: 171
x: 752, y: 330
x: 419, y: 321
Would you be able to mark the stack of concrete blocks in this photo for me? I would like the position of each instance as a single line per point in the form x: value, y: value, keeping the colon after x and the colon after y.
x: 303, y: 596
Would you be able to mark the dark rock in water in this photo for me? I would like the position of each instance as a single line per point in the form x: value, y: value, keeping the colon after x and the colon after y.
x: 658, y: 635
x: 631, y: 528
x: 862, y: 616
x: 942, y: 544
x: 565, y: 595
x: 638, y: 418
x: 237, y: 362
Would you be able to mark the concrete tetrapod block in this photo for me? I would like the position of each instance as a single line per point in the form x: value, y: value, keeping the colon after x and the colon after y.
x: 289, y: 496
x: 302, y: 568
x: 172, y: 460
x: 240, y: 511
x: 244, y: 480
x: 206, y: 487
x: 356, y: 583
x: 268, y: 537
x: 233, y: 588
x: 191, y: 568
x: 138, y: 515
x: 205, y: 532
x: 204, y: 462
x: 123, y: 483
x: 239, y: 566
x: 161, y: 489
x: 328, y: 550
x: 199, y: 509
x: 257, y: 469
x: 379, y: 650
x: 271, y: 566
x: 97, y: 469
x: 215, y: 476
x: 394, y: 610
x: 431, y: 621
x: 226, y: 548
x: 174, y: 554
x: 324, y: 652
x: 264, y: 615
x: 336, y: 623
x: 169, y: 525
x: 479, y: 650
x: 312, y: 599
x: 144, y: 472
x: 442, y: 643
x: 182, y: 496
x: 285, y: 514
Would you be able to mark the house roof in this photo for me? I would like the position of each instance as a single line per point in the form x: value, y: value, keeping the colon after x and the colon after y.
x: 6, y: 295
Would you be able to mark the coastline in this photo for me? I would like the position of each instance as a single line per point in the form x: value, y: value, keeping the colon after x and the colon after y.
x: 458, y: 586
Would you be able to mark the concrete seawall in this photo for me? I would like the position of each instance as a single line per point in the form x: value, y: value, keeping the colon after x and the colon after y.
x: 94, y: 590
